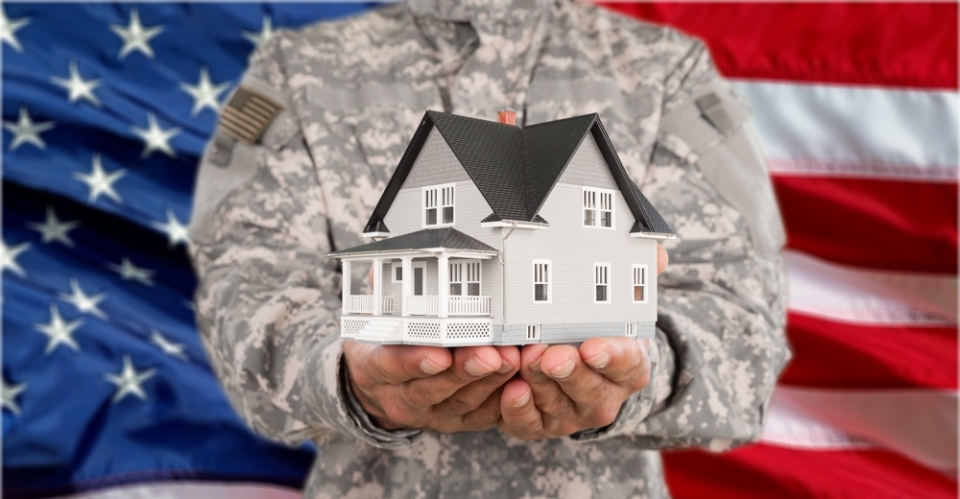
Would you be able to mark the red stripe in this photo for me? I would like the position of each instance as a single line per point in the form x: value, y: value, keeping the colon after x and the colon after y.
x: 766, y: 472
x: 884, y: 224
x: 895, y: 44
x: 831, y: 354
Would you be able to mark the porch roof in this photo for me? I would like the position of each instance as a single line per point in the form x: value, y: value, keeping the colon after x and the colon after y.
x: 446, y: 238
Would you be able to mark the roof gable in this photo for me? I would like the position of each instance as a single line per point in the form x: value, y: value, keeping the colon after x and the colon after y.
x: 515, y: 168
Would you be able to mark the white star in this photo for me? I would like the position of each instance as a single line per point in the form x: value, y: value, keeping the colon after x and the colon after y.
x: 260, y: 38
x: 168, y: 347
x: 156, y: 138
x: 176, y: 232
x: 10, y: 393
x: 58, y: 331
x: 100, y: 182
x: 84, y: 303
x: 54, y: 230
x: 24, y: 130
x: 130, y: 272
x: 129, y: 380
x: 136, y: 36
x: 205, y: 93
x: 9, y: 27
x: 8, y: 257
x: 78, y: 87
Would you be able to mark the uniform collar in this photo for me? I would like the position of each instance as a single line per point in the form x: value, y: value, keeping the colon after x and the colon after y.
x: 479, y: 11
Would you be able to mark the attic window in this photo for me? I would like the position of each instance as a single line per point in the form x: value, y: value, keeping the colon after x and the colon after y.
x: 598, y: 207
x: 438, y: 205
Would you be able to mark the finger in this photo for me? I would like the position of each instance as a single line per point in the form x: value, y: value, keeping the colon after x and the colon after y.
x: 519, y: 416
x: 623, y: 361
x: 395, y: 364
x: 547, y: 395
x: 471, y: 396
x: 662, y: 259
x: 486, y: 415
x: 469, y: 364
x: 584, y: 386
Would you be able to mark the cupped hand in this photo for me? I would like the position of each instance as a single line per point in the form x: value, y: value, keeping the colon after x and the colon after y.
x: 433, y: 388
x: 564, y: 389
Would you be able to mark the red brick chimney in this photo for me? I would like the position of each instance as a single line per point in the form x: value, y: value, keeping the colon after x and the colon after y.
x: 507, y: 117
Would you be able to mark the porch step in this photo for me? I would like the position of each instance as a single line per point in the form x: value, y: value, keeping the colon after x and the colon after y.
x: 382, y: 330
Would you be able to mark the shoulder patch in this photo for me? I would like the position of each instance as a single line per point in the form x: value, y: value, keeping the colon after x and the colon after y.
x: 248, y: 114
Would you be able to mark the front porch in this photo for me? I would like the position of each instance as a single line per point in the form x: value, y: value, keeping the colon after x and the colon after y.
x: 457, y: 291
x: 427, y: 289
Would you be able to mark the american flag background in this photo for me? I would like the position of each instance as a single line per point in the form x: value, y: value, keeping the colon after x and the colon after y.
x: 107, y: 107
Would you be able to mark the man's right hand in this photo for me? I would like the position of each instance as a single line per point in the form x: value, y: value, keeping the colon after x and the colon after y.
x: 448, y: 391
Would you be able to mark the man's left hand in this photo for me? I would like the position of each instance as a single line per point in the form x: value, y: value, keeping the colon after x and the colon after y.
x: 563, y: 389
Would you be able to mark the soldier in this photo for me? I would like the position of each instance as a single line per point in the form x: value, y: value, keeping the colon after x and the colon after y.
x: 286, y: 183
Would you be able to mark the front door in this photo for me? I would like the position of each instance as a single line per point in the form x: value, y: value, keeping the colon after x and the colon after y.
x: 418, y: 278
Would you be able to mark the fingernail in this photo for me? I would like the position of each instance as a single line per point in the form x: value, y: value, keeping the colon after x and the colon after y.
x: 535, y: 366
x: 522, y: 401
x: 504, y: 368
x: 477, y: 368
x: 600, y: 360
x: 564, y: 370
x: 428, y: 366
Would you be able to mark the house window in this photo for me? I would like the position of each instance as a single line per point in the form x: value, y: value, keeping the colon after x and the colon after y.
x: 438, y: 205
x: 396, y: 273
x: 533, y: 332
x: 465, y: 279
x: 639, y: 284
x: 598, y: 207
x: 631, y: 331
x: 601, y: 282
x: 541, y: 281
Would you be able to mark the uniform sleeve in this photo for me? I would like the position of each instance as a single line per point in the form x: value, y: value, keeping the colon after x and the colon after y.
x: 720, y: 343
x: 268, y: 301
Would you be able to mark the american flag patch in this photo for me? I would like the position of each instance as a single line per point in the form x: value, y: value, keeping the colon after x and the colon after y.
x: 247, y: 115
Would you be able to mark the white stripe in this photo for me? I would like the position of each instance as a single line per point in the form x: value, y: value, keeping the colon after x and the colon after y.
x: 870, y: 297
x: 193, y: 490
x: 855, y: 131
x: 920, y: 424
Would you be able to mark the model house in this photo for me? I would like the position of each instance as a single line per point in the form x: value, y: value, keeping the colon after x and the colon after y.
x: 489, y: 233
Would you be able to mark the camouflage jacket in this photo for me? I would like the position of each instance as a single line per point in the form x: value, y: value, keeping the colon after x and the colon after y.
x: 353, y: 92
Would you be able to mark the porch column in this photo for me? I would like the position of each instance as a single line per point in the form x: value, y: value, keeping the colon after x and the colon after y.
x: 346, y: 281
x: 377, y: 286
x: 443, y: 281
x: 406, y: 284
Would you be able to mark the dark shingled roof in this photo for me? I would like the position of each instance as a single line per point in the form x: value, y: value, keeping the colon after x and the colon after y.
x: 448, y: 238
x: 516, y: 168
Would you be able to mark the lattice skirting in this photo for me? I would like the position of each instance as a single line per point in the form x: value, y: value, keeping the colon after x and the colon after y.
x: 351, y: 328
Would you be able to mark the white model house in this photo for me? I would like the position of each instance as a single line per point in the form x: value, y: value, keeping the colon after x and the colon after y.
x: 489, y: 233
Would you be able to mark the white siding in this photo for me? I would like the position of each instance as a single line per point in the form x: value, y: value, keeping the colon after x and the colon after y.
x: 436, y: 164
x: 573, y: 250
x: 406, y: 213
x: 587, y: 167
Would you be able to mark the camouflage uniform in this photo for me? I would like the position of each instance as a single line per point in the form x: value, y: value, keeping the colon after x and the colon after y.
x: 353, y: 93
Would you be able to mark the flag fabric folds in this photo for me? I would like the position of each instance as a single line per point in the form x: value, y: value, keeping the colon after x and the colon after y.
x: 106, y: 109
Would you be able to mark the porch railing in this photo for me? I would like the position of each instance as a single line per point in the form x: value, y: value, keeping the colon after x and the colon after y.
x: 423, y: 305
x: 387, y: 305
x: 469, y: 305
x: 363, y: 304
